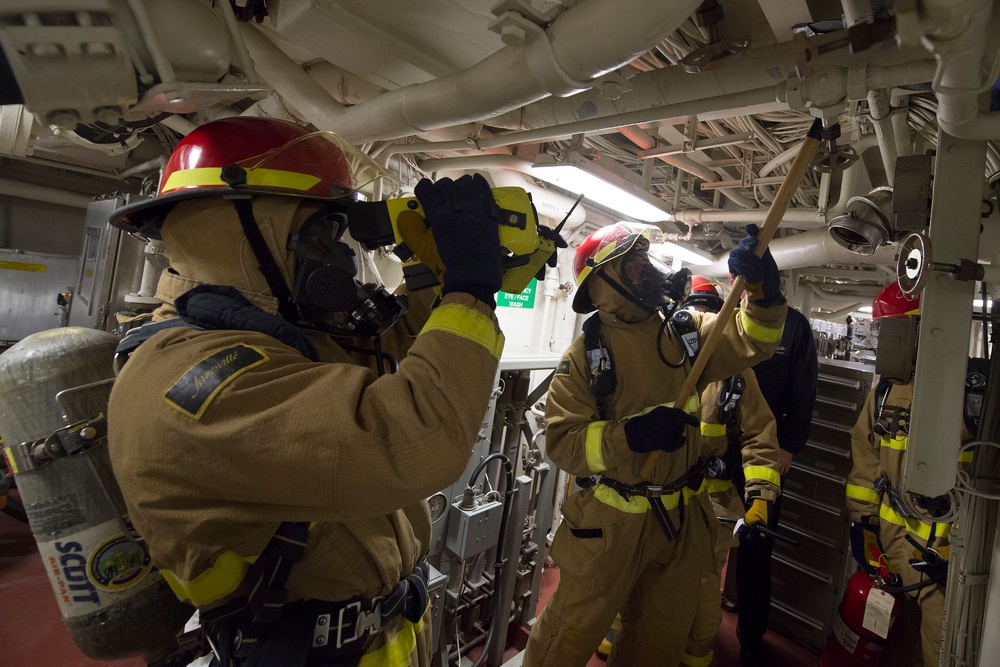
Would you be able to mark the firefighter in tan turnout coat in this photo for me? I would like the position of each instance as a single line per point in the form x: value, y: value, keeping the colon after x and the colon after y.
x: 258, y: 441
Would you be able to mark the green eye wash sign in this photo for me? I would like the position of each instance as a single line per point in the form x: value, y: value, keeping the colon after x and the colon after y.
x: 525, y: 299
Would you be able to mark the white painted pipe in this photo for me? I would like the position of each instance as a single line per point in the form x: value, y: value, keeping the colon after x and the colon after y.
x: 42, y: 193
x: 957, y: 35
x: 813, y: 248
x: 562, y: 59
x: 796, y: 218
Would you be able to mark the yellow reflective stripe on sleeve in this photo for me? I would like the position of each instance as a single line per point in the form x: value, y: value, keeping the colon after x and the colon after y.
x: 397, y: 651
x: 718, y: 485
x: 468, y: 323
x: 697, y: 661
x: 208, y: 176
x: 595, y: 436
x: 763, y: 473
x: 966, y: 456
x: 712, y: 430
x: 215, y: 583
x: 912, y: 525
x: 759, y: 331
x: 864, y: 494
x: 893, y: 443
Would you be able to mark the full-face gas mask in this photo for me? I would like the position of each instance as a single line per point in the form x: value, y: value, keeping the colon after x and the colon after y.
x: 325, y: 287
x: 650, y: 280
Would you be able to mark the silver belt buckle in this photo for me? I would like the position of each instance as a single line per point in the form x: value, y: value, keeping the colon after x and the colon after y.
x: 370, y: 621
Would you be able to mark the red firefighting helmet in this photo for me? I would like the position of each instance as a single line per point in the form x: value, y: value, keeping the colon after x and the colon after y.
x: 604, y: 245
x: 891, y: 302
x: 704, y: 292
x: 273, y: 156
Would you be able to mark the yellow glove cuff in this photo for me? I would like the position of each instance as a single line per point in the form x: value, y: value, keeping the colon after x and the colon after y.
x: 757, y: 512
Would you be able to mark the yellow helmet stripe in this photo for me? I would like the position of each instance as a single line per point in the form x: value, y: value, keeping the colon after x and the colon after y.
x: 212, y: 176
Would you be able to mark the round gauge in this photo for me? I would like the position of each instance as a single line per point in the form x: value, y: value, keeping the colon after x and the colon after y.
x: 438, y: 503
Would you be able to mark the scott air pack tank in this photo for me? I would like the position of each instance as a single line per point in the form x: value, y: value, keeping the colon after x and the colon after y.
x: 54, y: 388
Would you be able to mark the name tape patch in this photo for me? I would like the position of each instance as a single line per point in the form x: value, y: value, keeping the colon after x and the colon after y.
x: 195, y: 390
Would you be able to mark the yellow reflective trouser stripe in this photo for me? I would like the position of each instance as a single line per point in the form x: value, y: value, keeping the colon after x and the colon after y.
x: 640, y: 504
x: 763, y: 473
x: 711, y: 430
x: 595, y: 436
x: 697, y: 661
x: 912, y: 525
x: 718, y: 485
x: 468, y: 323
x: 274, y: 178
x: 864, y: 494
x: 893, y: 443
x: 213, y: 584
x: 759, y: 331
x: 397, y: 651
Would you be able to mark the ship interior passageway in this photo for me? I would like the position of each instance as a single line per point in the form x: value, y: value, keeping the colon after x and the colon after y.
x: 858, y: 139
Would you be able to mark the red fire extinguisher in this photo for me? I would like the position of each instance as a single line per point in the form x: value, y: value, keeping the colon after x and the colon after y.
x: 853, y: 642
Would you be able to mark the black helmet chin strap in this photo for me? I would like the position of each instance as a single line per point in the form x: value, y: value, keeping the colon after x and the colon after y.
x: 265, y: 259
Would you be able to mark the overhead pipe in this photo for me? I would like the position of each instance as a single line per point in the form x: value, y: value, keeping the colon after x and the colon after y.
x: 813, y: 248
x: 42, y: 193
x: 501, y: 168
x: 860, y: 11
x: 646, y: 141
x: 561, y: 59
x: 755, y: 69
x: 956, y: 32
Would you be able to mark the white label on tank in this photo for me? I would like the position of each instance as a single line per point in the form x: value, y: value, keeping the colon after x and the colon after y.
x: 847, y: 637
x: 878, y: 612
x: 89, y: 569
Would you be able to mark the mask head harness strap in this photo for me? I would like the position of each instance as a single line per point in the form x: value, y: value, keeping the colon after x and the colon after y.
x: 235, y: 176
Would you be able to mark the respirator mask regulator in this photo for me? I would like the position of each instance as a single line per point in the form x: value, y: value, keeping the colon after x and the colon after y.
x: 651, y: 282
x: 325, y: 287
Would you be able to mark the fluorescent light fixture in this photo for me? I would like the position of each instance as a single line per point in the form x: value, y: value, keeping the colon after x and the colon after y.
x: 978, y: 303
x: 609, y: 184
x: 865, y: 309
x: 688, y: 254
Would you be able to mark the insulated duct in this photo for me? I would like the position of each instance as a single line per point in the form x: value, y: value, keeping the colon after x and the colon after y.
x: 813, y: 248
x: 561, y: 59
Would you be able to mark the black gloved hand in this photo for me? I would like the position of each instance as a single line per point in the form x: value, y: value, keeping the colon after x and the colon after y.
x: 553, y: 235
x: 760, y: 273
x: 464, y: 219
x: 661, y: 428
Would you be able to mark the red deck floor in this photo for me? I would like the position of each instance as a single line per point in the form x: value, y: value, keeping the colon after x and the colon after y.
x: 32, y: 633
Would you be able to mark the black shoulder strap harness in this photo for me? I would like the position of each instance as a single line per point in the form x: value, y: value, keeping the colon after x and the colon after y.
x: 602, y: 372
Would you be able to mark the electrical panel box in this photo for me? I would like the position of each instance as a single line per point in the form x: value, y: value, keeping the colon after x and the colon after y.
x: 473, y: 531
x: 897, y: 347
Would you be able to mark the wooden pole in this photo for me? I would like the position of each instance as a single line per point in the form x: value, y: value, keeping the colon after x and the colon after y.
x: 774, y: 215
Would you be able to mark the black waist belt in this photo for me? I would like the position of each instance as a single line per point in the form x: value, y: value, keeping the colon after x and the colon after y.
x: 315, y: 631
x: 692, y: 479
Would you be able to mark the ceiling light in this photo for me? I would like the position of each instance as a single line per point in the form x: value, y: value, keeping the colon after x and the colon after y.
x: 865, y: 309
x: 689, y: 254
x: 609, y: 184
